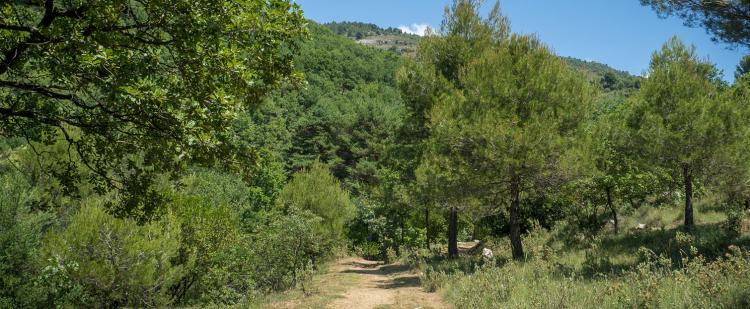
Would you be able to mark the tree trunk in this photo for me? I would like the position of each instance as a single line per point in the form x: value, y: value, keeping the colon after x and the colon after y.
x: 402, y: 226
x: 427, y: 226
x: 515, y: 220
x: 611, y: 206
x: 453, y: 233
x: 688, y: 180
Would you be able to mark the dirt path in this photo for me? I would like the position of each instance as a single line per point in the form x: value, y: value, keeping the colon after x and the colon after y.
x: 357, y: 283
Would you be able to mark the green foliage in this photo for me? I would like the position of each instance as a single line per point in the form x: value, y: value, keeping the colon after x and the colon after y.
x: 358, y: 30
x: 562, y: 277
x: 115, y: 262
x: 250, y: 202
x: 229, y: 194
x: 317, y: 191
x: 285, y: 251
x: 678, y: 113
x: 206, y: 231
x: 514, y: 130
x: 346, y: 116
x: 743, y: 67
x: 21, y: 233
x: 610, y: 79
x: 727, y: 21
x: 88, y: 71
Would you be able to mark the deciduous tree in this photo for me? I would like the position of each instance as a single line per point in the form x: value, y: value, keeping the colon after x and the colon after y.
x: 136, y: 87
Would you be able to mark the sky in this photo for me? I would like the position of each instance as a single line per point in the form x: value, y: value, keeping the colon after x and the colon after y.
x: 620, y: 33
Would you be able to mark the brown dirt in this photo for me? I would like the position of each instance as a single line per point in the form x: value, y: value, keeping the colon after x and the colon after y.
x: 372, y: 285
x: 393, y: 286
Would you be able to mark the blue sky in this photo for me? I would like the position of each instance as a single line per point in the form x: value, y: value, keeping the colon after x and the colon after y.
x: 620, y: 33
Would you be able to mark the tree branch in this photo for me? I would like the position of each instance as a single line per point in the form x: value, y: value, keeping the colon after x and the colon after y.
x: 16, y: 28
x: 12, y: 56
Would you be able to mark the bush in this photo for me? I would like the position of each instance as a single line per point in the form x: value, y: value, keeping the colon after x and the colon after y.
x: 207, y: 230
x: 316, y: 190
x: 21, y: 231
x: 654, y: 282
x: 285, y: 252
x: 733, y: 225
x: 110, y: 262
x: 432, y: 280
x: 369, y: 250
x: 248, y: 201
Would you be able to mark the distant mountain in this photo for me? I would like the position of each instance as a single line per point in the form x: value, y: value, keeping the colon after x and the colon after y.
x: 609, y: 78
x: 391, y: 39
x: 395, y: 40
x: 359, y: 30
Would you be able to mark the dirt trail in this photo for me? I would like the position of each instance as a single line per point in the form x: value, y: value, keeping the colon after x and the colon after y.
x: 384, y: 286
x: 365, y: 284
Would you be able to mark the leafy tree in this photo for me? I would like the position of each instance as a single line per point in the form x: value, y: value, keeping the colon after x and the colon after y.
x: 616, y: 176
x: 680, y: 119
x: 435, y: 75
x: 728, y: 21
x: 743, y: 67
x: 609, y: 81
x: 317, y: 191
x: 250, y: 202
x: 729, y: 169
x: 346, y: 117
x: 511, y: 132
x: 138, y: 87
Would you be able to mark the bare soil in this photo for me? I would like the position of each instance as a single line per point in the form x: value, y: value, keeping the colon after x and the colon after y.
x: 368, y: 284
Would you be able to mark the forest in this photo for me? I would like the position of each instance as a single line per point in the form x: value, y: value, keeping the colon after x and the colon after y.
x: 214, y: 153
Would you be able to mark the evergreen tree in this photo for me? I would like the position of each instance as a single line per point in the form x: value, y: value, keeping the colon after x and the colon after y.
x: 681, y: 121
x: 743, y: 67
x: 510, y: 133
x: 726, y: 20
x: 434, y: 75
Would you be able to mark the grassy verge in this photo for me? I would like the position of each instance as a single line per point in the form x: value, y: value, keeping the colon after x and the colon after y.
x: 660, y: 267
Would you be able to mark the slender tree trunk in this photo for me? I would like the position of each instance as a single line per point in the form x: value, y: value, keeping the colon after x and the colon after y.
x: 611, y: 206
x: 453, y: 233
x: 401, y: 243
x: 427, y: 226
x: 688, y: 180
x: 515, y: 220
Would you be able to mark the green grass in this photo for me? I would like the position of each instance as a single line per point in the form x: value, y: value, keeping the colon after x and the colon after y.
x: 663, y: 267
x: 323, y: 288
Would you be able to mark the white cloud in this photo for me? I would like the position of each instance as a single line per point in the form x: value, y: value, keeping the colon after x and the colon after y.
x: 418, y: 29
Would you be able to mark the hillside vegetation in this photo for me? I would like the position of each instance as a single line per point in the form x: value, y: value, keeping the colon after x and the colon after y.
x: 235, y: 154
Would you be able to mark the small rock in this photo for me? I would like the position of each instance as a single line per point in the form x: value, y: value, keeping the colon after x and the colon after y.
x: 487, y: 255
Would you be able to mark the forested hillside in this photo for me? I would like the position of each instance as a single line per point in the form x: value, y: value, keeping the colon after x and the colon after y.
x: 152, y: 155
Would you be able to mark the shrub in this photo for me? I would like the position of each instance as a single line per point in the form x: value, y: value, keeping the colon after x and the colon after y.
x: 206, y: 231
x: 369, y: 250
x: 432, y: 280
x: 654, y: 282
x: 733, y: 225
x: 248, y: 201
x: 317, y: 190
x: 115, y: 262
x: 284, y: 252
x: 21, y: 231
